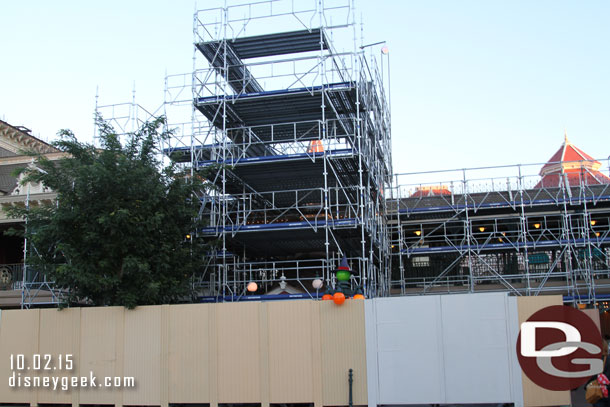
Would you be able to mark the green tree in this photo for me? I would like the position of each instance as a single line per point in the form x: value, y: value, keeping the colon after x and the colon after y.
x: 122, y: 229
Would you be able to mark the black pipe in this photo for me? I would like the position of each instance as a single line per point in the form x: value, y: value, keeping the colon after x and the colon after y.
x: 351, y: 384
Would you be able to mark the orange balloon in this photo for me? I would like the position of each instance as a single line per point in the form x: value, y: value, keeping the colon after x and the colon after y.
x: 359, y: 297
x: 327, y: 297
x: 339, y: 298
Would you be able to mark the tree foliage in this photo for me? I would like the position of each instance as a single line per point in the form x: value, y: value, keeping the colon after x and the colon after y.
x: 121, y: 231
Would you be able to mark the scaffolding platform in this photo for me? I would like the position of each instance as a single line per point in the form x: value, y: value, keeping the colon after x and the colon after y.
x: 502, y: 199
x: 291, y: 171
x: 257, y: 46
x: 279, y: 106
x: 313, y: 224
x: 513, y: 246
x: 238, y: 75
x: 289, y: 238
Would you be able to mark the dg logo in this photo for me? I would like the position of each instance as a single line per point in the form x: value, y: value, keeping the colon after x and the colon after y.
x: 559, y: 348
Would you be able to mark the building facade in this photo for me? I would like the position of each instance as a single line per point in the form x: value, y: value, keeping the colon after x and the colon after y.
x: 15, y: 143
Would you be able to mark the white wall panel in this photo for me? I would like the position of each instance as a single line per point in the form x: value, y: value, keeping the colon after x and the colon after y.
x: 475, y: 348
x: 516, y: 372
x: 441, y: 350
x: 409, y: 350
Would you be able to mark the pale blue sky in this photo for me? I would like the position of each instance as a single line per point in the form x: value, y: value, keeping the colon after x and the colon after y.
x: 474, y: 83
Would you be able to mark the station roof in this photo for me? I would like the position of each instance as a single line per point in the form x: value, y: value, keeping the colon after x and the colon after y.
x: 573, y: 165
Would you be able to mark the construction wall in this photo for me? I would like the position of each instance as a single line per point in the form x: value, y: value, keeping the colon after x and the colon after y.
x: 261, y: 353
x: 451, y: 349
x: 534, y: 395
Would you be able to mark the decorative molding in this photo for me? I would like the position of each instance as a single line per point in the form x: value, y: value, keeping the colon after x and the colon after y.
x: 24, y: 159
x: 20, y: 200
x: 17, y: 140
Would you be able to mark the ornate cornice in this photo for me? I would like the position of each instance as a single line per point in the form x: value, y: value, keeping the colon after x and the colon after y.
x: 20, y: 140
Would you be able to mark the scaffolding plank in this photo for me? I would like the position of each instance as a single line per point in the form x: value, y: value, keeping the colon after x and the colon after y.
x: 289, y: 238
x: 281, y: 43
x: 291, y: 171
x: 239, y: 77
x: 275, y: 107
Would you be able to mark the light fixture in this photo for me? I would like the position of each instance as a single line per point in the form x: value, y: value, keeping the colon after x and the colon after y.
x: 252, y: 286
x: 418, y: 232
x: 481, y: 228
x: 385, y: 50
x: 503, y: 233
x: 597, y: 234
x: 188, y: 237
x: 393, y: 246
x: 537, y: 225
x: 593, y: 222
x: 500, y: 240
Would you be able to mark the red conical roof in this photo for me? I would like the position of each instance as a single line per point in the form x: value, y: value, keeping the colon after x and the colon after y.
x: 572, y: 164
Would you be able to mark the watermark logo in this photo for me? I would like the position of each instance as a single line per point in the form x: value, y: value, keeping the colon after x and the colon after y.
x: 559, y: 348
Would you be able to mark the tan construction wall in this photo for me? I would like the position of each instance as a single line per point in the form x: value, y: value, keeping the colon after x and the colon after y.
x: 276, y: 352
x: 534, y: 395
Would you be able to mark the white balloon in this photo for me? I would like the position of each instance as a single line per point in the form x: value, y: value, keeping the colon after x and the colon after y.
x: 317, y: 283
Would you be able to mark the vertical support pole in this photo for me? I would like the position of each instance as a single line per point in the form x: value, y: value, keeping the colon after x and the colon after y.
x: 25, y: 255
x: 400, y: 234
x: 588, y: 257
x: 322, y: 135
x: 193, y: 92
x: 364, y: 267
x: 468, y: 233
x: 523, y: 233
x: 95, y: 132
x: 565, y: 236
x: 224, y: 79
x: 351, y: 386
x: 134, y: 110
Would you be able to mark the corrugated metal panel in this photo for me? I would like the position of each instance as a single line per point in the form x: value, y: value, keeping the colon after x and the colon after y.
x: 263, y: 341
x: 238, y: 353
x: 100, y: 336
x: 290, y: 351
x: 142, y: 355
x: 213, y: 355
x: 189, y: 356
x: 372, y: 360
x: 343, y: 347
x: 316, y: 355
x: 18, y: 335
x: 59, y: 336
x: 594, y: 315
x: 534, y: 395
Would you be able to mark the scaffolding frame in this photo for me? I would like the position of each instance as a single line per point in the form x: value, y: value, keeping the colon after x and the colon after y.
x: 257, y: 101
x: 463, y: 232
x: 283, y: 213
